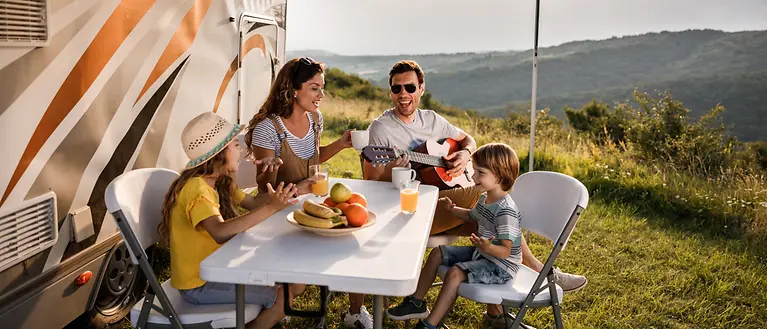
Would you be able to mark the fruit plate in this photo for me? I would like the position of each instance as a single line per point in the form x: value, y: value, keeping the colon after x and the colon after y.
x: 333, y: 231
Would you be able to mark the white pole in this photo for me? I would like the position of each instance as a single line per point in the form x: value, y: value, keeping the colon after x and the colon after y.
x: 535, y: 87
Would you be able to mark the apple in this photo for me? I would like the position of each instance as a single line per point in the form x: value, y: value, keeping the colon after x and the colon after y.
x: 340, y: 192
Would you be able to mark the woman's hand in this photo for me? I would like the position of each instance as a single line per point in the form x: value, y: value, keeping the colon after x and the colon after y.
x: 282, y: 196
x: 346, y: 139
x: 269, y: 164
x: 305, y: 186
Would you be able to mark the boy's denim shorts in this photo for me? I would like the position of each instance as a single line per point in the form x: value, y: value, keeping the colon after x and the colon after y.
x: 480, y: 270
x: 224, y: 293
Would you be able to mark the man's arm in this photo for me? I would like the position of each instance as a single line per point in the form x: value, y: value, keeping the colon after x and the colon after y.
x: 378, y: 136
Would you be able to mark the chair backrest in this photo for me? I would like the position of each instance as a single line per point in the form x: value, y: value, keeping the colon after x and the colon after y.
x: 547, y: 200
x: 139, y: 195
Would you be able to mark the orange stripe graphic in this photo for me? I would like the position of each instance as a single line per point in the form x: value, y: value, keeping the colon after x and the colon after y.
x: 117, y: 27
x: 255, y: 41
x: 181, y: 41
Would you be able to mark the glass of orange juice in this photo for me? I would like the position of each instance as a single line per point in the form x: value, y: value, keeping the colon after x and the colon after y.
x: 408, y: 195
x: 320, y: 175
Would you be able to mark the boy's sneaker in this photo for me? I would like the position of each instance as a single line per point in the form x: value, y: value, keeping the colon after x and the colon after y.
x: 408, y: 310
x: 569, y: 282
x: 362, y: 320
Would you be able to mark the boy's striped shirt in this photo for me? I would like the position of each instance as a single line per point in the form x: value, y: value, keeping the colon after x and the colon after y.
x: 500, y: 219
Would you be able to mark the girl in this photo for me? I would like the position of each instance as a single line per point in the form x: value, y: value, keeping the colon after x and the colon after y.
x: 496, y: 254
x: 199, y: 215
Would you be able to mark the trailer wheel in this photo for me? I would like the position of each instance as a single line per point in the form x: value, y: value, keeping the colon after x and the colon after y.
x: 121, y: 287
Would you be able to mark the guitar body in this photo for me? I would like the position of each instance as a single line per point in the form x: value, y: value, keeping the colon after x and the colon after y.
x: 426, y: 160
x: 438, y: 176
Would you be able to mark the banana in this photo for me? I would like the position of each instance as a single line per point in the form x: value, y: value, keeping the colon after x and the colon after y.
x: 318, y: 210
x: 308, y: 220
x: 305, y: 219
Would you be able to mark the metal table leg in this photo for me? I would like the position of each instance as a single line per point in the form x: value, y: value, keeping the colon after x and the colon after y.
x: 377, y: 312
x: 240, y: 307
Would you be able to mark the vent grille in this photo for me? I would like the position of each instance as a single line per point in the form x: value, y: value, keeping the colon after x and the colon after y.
x: 27, y: 230
x: 23, y: 23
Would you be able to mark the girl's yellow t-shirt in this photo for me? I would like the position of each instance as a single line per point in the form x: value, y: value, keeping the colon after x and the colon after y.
x: 190, y: 243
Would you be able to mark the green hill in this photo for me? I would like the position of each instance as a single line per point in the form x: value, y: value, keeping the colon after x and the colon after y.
x: 700, y: 67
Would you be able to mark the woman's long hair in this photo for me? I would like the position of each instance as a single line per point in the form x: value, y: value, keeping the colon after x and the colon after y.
x: 224, y: 186
x: 280, y: 100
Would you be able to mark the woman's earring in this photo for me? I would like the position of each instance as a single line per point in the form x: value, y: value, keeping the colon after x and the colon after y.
x: 295, y: 95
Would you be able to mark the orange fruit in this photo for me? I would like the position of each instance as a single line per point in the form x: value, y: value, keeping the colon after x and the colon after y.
x: 356, y: 214
x: 358, y: 198
x: 342, y: 206
x: 329, y: 202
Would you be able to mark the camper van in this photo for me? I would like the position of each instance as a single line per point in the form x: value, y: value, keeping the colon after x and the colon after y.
x: 90, y: 89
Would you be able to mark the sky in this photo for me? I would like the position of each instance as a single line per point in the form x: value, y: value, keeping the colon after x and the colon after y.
x: 390, y: 27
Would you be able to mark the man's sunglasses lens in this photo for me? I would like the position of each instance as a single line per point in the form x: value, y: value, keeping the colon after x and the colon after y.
x: 410, y: 88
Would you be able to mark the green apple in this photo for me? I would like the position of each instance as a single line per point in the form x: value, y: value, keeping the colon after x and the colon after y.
x: 340, y: 192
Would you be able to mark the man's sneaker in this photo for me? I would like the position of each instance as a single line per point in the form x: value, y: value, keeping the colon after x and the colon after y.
x: 498, y: 322
x: 569, y: 282
x: 408, y: 310
x: 361, y: 320
x: 421, y: 324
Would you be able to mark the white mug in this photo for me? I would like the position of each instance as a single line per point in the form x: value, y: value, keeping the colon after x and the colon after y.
x: 360, y: 139
x: 399, y: 174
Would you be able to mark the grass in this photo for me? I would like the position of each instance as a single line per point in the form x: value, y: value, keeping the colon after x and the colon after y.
x: 661, y: 249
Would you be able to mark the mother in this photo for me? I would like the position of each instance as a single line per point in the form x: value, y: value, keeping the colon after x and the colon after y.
x: 289, y: 125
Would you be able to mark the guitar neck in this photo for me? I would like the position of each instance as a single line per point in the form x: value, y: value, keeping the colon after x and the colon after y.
x: 422, y: 158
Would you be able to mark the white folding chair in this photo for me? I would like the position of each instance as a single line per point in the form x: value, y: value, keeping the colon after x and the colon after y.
x: 135, y: 200
x: 551, y: 204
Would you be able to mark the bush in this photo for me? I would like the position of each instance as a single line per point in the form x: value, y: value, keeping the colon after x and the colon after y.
x: 759, y: 150
x: 601, y: 123
x: 662, y: 131
x: 519, y: 122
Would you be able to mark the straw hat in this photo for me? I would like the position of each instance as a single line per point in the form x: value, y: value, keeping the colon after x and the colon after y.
x: 205, y: 136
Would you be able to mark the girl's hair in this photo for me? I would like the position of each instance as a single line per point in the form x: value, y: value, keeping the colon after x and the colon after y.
x: 280, y: 100
x: 224, y: 186
x: 501, y: 160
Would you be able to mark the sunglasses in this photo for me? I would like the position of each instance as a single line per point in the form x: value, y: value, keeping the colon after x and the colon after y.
x: 410, y: 88
x: 305, y: 61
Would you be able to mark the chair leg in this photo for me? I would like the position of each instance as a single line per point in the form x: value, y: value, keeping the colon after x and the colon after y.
x: 506, y: 318
x: 145, y: 309
x: 518, y: 318
x: 555, y: 305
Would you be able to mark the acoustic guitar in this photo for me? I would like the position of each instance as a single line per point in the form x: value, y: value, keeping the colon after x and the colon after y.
x: 430, y: 167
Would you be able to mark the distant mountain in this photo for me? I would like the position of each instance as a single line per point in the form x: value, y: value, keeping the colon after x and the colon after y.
x: 699, y: 67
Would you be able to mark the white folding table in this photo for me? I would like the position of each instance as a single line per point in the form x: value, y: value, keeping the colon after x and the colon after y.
x: 382, y: 260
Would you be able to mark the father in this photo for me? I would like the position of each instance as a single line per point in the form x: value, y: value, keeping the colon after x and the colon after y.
x: 405, y: 127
